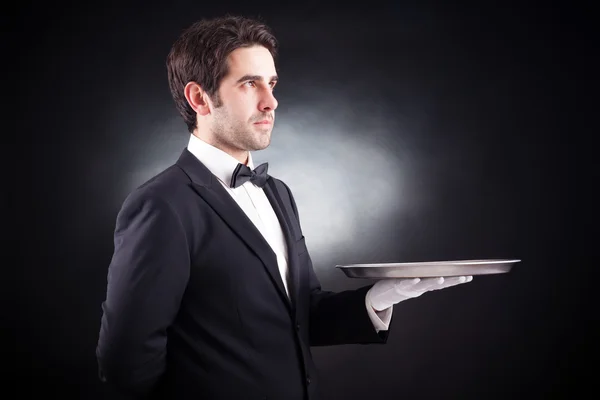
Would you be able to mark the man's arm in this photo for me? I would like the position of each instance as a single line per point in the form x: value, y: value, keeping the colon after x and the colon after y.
x: 146, y: 281
x: 340, y: 318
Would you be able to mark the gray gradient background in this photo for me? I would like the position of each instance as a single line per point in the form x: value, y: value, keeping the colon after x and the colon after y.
x: 406, y: 133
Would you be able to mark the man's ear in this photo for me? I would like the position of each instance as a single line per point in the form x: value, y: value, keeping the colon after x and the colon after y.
x: 197, y: 98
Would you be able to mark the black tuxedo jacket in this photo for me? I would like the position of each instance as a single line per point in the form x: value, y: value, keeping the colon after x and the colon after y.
x: 195, y: 305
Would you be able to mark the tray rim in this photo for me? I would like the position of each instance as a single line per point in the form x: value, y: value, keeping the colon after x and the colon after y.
x: 473, y: 262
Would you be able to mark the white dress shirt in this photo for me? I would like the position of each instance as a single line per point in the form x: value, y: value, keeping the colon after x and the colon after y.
x: 254, y: 202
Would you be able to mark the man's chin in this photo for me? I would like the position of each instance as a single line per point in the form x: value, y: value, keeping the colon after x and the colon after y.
x: 258, y: 147
x: 263, y: 141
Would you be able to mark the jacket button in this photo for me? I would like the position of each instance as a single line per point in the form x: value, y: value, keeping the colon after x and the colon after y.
x: 298, y: 327
x: 308, y: 380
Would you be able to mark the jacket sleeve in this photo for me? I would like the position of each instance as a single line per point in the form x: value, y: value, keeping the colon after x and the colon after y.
x: 147, y: 278
x: 338, y: 318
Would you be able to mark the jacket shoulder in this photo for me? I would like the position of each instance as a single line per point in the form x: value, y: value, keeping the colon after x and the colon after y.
x: 162, y: 187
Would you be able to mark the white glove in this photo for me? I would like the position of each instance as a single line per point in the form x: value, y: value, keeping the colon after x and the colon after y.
x: 387, y: 292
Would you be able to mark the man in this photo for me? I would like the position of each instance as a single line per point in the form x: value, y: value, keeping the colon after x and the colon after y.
x: 211, y: 290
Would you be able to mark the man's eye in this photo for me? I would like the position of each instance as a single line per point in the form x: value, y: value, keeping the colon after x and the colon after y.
x: 250, y: 83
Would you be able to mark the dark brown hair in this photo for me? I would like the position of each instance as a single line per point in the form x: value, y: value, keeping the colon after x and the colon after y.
x: 200, y: 55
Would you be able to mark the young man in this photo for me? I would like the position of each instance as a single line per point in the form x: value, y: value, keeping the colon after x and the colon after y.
x: 211, y: 290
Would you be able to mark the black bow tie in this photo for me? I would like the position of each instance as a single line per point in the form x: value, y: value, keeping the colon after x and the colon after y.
x: 243, y: 173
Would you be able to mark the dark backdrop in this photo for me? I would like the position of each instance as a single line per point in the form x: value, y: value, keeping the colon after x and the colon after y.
x: 406, y: 133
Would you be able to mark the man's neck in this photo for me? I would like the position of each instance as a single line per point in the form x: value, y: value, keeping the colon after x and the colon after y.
x: 240, y: 155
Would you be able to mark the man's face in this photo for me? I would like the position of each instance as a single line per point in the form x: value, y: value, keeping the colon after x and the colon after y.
x: 244, y: 111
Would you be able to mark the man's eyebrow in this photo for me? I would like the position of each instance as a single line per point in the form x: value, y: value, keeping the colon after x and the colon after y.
x: 245, y: 78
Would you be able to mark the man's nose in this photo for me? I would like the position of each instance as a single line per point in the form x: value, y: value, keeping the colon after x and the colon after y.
x: 268, y: 102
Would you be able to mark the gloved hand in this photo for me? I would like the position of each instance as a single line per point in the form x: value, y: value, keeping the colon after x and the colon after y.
x: 387, y: 292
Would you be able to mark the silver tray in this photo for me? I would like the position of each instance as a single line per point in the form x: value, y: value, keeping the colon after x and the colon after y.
x: 428, y: 269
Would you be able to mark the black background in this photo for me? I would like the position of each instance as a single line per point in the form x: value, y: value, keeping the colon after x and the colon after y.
x: 485, y: 112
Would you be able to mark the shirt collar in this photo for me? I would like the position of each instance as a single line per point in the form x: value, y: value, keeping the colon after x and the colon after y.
x: 220, y: 163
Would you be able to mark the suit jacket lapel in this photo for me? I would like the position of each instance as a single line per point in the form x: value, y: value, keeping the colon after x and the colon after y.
x: 209, y: 188
x: 280, y: 209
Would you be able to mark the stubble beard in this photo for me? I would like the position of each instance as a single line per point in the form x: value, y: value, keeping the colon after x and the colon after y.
x: 235, y: 135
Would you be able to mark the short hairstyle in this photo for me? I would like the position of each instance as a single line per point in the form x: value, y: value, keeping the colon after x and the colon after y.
x: 200, y: 55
